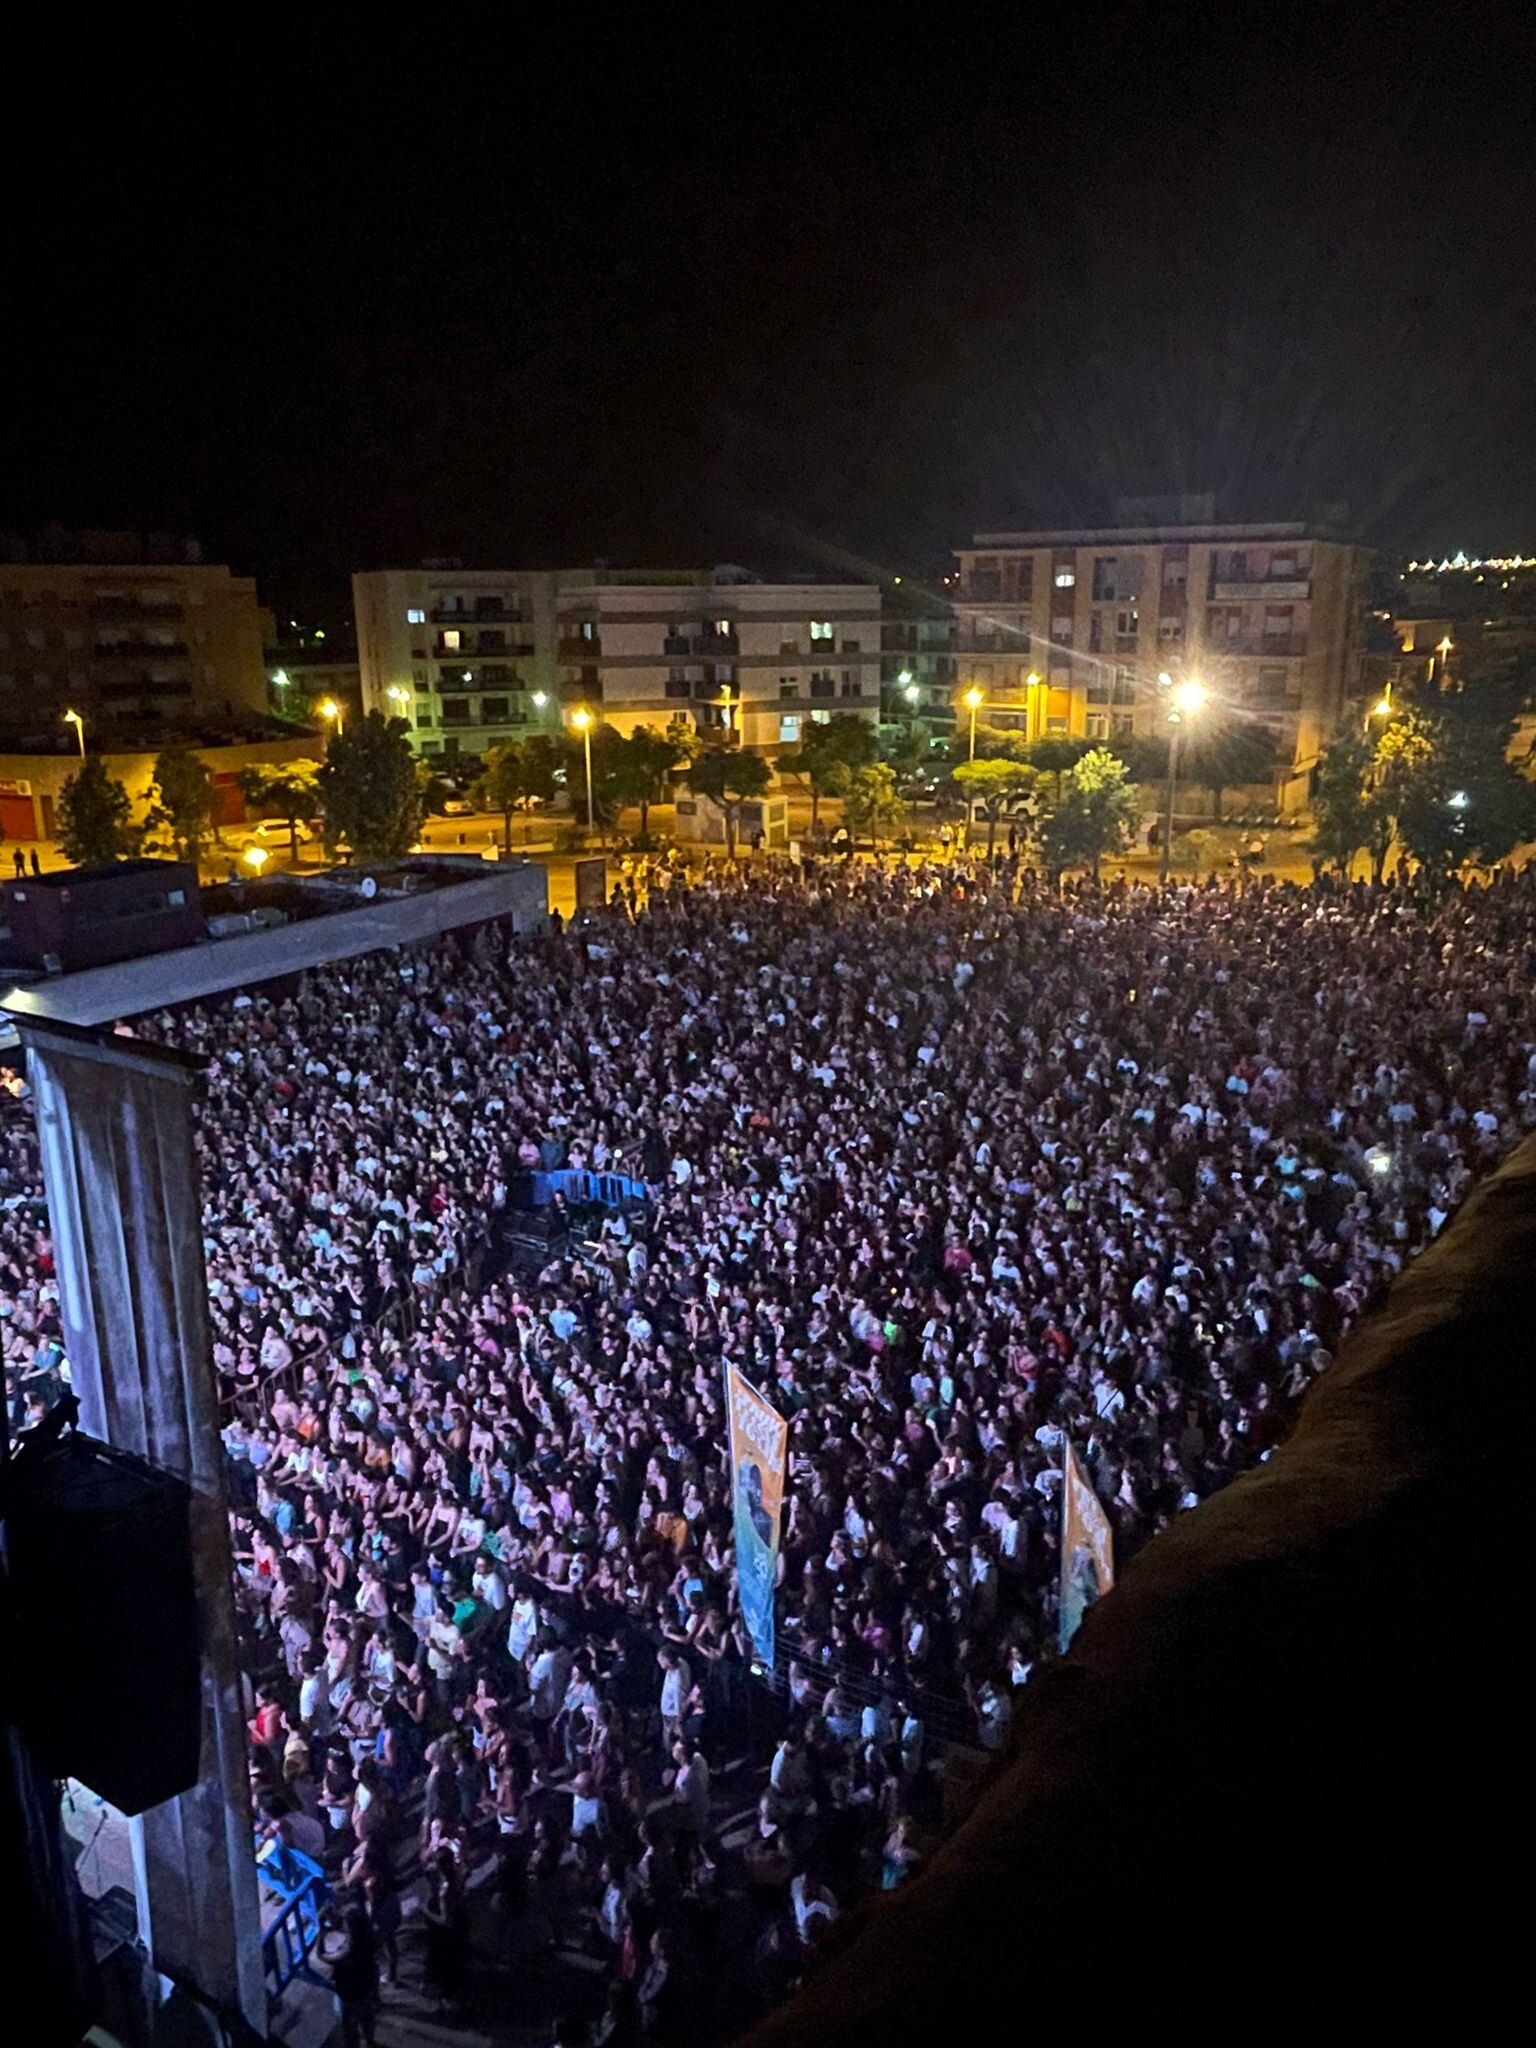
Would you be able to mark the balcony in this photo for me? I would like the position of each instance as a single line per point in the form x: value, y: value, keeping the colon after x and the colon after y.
x: 700, y: 646
x: 1259, y: 583
x: 482, y: 615
x: 143, y: 650
x: 132, y: 608
x: 576, y: 647
x: 136, y: 688
x: 1259, y: 647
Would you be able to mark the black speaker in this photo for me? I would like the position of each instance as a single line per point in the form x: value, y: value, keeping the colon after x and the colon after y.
x: 102, y: 1665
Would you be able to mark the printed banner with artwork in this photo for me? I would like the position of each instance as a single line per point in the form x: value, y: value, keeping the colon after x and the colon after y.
x: 1087, y: 1549
x: 759, y: 1444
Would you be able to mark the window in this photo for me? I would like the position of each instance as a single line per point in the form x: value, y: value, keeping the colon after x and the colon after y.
x: 452, y: 640
x: 1103, y: 578
x: 788, y: 688
x: 494, y: 710
x: 852, y: 646
x: 1098, y: 687
x: 1061, y: 629
x: 1175, y: 572
x: 1121, y: 725
x: 1056, y: 725
x: 1270, y: 687
x: 821, y: 632
x: 821, y: 718
x: 455, y: 709
x: 1096, y: 724
x: 789, y: 647
x: 678, y: 684
x: 415, y: 616
x: 1066, y: 579
x: 722, y: 627
x: 822, y: 683
x: 850, y: 684
x: 789, y: 729
x: 1125, y: 686
x: 1277, y: 622
x: 1282, y: 567
x: 1096, y: 633
x: 1170, y: 632
x: 1127, y: 629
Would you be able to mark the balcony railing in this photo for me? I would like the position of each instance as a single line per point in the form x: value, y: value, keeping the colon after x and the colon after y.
x: 143, y: 650
x: 1259, y: 647
x: 700, y: 646
x: 489, y: 615
x: 132, y: 608
x: 573, y: 647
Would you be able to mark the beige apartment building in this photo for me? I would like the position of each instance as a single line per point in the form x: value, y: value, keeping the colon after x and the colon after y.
x: 1068, y: 632
x: 475, y: 657
x: 467, y: 656
x: 138, y: 648
x: 720, y: 651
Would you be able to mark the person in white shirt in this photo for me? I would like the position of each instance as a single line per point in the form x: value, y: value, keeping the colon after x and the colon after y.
x: 690, y: 1787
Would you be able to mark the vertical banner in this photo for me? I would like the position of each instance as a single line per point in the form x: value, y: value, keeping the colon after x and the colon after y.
x: 1087, y: 1549
x: 759, y: 1441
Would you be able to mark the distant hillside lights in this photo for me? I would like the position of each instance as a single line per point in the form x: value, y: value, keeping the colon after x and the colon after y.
x: 1503, y: 565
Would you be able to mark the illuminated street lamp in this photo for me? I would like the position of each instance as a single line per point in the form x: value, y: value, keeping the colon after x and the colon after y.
x: 539, y: 699
x: 1032, y: 683
x: 398, y: 694
x: 973, y: 701
x: 256, y: 858
x: 280, y: 679
x: 329, y: 708
x: 581, y: 719
x: 73, y: 718
x: 1184, y: 701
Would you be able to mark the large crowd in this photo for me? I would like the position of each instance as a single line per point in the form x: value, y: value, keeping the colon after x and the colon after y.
x: 959, y: 1169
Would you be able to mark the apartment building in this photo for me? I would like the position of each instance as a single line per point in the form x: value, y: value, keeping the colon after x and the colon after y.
x: 919, y: 647
x: 1067, y: 632
x: 467, y: 656
x: 141, y: 640
x: 720, y: 650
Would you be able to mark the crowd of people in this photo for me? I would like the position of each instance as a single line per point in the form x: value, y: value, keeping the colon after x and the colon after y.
x: 964, y: 1172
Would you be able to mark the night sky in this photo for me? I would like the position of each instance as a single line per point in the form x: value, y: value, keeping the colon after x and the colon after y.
x: 780, y: 295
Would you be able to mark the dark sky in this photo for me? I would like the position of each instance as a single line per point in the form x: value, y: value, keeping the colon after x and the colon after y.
x: 785, y: 292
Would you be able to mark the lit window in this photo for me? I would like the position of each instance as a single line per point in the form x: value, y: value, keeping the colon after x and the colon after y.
x: 451, y: 640
x: 789, y: 730
x: 1065, y: 578
x: 821, y: 629
x: 415, y: 617
x: 819, y: 717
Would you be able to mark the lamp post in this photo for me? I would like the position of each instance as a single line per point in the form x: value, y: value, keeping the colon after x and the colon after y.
x: 73, y: 718
x: 1185, y: 699
x: 329, y: 708
x: 581, y: 718
x: 1032, y: 683
x: 972, y: 700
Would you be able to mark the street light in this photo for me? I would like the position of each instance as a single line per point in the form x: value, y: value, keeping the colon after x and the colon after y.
x: 540, y: 699
x: 73, y: 718
x: 329, y: 708
x: 280, y: 679
x: 1185, y: 699
x: 581, y: 718
x: 1032, y: 683
x: 398, y: 694
x: 256, y: 858
x: 973, y: 701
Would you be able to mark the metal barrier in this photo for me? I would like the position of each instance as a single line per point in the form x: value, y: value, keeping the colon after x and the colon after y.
x: 288, y: 1940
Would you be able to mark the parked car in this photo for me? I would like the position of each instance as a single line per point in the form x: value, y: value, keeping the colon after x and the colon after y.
x: 276, y: 832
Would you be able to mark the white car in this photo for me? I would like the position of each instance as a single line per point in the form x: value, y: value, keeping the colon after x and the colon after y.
x: 275, y: 832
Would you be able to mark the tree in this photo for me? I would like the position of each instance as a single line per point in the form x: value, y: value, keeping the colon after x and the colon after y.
x: 1097, y: 814
x: 731, y: 776
x: 994, y: 785
x: 184, y: 801
x: 873, y: 804
x: 1227, y: 754
x: 369, y: 794
x: 93, y: 817
x: 828, y: 754
x: 606, y: 750
x: 1454, y: 793
x: 1341, y: 802
x: 1056, y: 754
x: 502, y: 785
x: 904, y: 748
x: 647, y: 759
x: 289, y: 790
x: 1145, y: 755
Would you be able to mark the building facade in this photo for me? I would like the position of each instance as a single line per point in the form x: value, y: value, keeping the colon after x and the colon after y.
x: 467, y: 656
x: 918, y: 639
x: 720, y: 651
x: 1069, y: 632
x: 138, y: 648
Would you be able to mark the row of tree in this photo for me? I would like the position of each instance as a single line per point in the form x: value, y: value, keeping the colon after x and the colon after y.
x: 1435, y: 780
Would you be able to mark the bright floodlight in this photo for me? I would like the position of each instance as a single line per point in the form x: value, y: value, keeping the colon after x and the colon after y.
x: 1189, y: 696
